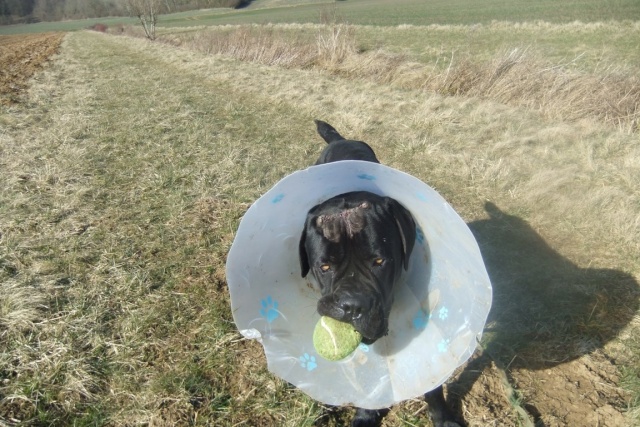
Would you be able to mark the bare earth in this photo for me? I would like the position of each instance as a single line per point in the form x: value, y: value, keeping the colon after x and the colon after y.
x: 578, y: 393
x: 20, y: 57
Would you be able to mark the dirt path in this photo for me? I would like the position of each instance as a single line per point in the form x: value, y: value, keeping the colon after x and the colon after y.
x: 20, y: 57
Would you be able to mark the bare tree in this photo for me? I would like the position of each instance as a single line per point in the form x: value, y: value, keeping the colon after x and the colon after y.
x: 147, y: 13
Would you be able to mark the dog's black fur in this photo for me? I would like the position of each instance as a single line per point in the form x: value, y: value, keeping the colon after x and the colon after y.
x: 339, y: 148
x: 355, y: 246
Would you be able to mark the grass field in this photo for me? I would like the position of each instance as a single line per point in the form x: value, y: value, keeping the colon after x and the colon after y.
x: 126, y: 167
x: 504, y: 62
x: 379, y: 13
x: 418, y: 12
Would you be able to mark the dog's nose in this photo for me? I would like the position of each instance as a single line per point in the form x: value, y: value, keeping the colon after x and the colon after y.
x: 351, y: 307
x: 344, y: 307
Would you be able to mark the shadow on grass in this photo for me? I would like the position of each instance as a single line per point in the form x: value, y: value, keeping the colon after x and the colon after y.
x: 546, y: 310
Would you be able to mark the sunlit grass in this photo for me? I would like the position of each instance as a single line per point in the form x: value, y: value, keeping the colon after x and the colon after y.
x: 522, y: 75
x: 378, y: 13
x: 128, y: 166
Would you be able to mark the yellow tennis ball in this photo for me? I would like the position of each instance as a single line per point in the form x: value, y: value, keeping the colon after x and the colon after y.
x: 335, y: 340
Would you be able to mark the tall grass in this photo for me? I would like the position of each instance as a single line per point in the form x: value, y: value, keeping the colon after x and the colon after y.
x: 517, y: 77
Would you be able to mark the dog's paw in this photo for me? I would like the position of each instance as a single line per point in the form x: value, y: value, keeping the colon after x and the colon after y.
x: 368, y: 417
x: 446, y: 424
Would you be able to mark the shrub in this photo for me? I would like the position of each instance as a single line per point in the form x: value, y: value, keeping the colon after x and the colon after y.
x: 102, y: 28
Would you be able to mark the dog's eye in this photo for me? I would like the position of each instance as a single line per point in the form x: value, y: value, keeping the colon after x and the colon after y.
x: 378, y: 262
x: 325, y: 267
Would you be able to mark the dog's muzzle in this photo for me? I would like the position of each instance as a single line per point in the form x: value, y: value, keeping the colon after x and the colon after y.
x: 364, y: 310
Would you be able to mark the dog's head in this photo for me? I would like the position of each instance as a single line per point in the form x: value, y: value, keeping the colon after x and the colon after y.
x: 355, y: 246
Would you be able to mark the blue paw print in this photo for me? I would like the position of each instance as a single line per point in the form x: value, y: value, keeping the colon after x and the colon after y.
x: 277, y: 198
x: 443, y: 313
x: 419, y: 235
x: 363, y: 347
x: 308, y: 362
x: 443, y: 345
x: 421, y: 320
x: 269, y: 309
x: 366, y: 177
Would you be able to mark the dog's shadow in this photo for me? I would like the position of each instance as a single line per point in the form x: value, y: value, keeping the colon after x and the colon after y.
x: 546, y: 310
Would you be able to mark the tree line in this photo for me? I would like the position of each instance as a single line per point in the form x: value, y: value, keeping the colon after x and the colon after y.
x: 28, y: 11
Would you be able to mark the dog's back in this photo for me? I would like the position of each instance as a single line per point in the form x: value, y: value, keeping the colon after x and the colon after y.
x: 339, y: 148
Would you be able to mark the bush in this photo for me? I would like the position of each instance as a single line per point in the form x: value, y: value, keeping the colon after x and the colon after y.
x: 102, y: 28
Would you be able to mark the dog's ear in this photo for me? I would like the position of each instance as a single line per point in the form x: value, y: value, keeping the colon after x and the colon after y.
x: 327, y: 132
x: 407, y: 228
x: 302, y: 252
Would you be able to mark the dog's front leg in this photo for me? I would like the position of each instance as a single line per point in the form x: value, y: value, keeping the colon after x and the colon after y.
x: 368, y: 417
x: 441, y: 415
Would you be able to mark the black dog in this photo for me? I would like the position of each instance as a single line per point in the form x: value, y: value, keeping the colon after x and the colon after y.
x: 355, y: 246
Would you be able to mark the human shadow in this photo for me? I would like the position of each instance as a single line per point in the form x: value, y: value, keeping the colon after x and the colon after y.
x: 546, y: 310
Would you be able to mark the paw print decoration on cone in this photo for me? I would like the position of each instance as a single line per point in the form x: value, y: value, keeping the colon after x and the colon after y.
x: 308, y: 362
x: 269, y: 309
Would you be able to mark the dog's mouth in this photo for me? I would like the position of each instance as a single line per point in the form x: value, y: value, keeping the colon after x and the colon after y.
x: 364, y: 312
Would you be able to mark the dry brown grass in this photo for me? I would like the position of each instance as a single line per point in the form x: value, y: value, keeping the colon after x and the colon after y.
x: 117, y: 209
x: 517, y: 77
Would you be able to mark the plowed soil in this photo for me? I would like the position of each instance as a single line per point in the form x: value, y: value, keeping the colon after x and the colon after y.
x: 20, y: 57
